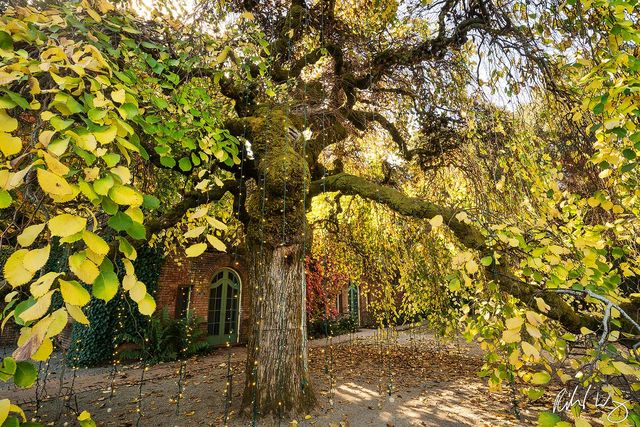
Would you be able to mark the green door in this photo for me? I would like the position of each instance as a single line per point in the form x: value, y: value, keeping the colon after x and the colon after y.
x: 222, y: 324
x: 354, y: 310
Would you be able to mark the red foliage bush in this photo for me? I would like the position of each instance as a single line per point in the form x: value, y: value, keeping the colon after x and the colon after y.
x: 324, y: 283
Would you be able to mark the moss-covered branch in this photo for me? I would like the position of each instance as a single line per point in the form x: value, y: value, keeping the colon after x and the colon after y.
x: 468, y: 235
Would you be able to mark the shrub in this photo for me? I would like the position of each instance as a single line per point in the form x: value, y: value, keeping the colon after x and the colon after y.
x: 165, y: 339
x: 339, y: 325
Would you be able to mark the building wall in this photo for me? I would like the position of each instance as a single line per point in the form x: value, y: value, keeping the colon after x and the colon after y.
x: 198, y: 272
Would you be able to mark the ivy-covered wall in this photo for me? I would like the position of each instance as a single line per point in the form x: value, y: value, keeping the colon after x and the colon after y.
x: 93, y: 344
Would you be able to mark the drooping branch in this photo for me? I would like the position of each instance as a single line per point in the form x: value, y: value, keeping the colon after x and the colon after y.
x: 360, y: 119
x: 468, y: 235
x: 189, y: 201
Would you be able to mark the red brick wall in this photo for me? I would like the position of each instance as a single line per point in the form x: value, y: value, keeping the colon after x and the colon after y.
x: 10, y: 334
x: 181, y: 271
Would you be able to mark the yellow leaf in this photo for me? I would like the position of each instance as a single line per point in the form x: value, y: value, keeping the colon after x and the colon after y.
x: 194, y: 232
x: 66, y: 225
x: 44, y: 351
x: 123, y: 195
x: 511, y: 335
x: 533, y: 331
x: 542, y: 306
x: 38, y: 309
x: 14, y: 271
x: 436, y: 221
x: 195, y: 250
x: 514, y: 322
x: 216, y: 243
x: 103, y: 6
x: 84, y: 415
x: 18, y: 410
x: 118, y: 96
x: 30, y: 234
x: 35, y: 259
x: 135, y: 214
x: 59, y: 320
x: 54, y: 165
x: 530, y: 350
x: 540, y: 378
x: 471, y: 266
x: 217, y: 224
x: 462, y: 216
x: 53, y: 184
x: 73, y: 293
x: 95, y: 242
x: 129, y: 282
x: 84, y: 268
x: 77, y: 314
x: 128, y: 267
x: 138, y: 291
x: 10, y: 145
x: 581, y: 422
x: 5, y: 404
x: 42, y: 285
x: 7, y: 123
x: 147, y: 305
x: 107, y: 135
x: 200, y: 212
x: 624, y: 369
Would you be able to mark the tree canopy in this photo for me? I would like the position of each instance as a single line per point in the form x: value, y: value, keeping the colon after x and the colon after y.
x: 476, y: 157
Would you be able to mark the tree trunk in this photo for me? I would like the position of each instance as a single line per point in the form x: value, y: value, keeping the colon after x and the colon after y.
x: 277, y: 381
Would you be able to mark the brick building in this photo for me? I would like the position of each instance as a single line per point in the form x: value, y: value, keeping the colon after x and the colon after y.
x: 215, y: 287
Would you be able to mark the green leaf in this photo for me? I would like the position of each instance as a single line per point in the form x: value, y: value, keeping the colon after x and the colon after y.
x: 167, y: 161
x: 6, y: 42
x: 20, y: 101
x: 106, y: 285
x: 7, y: 369
x: 159, y: 102
x: 540, y: 378
x: 136, y: 231
x: 120, y: 221
x: 486, y: 261
x: 185, y: 164
x: 629, y: 154
x: 59, y: 123
x: 26, y: 374
x: 548, y: 419
x: 150, y: 202
x: 103, y: 185
x: 111, y: 159
x: 5, y: 199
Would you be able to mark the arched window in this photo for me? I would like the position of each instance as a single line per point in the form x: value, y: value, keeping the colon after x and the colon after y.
x: 224, y: 302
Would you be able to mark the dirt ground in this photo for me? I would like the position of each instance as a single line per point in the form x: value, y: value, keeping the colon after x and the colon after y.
x: 408, y: 380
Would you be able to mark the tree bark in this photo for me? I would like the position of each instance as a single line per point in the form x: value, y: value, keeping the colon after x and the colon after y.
x: 277, y: 381
x: 277, y: 378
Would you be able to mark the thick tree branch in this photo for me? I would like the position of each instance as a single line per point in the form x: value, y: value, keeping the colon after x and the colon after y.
x: 468, y: 235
